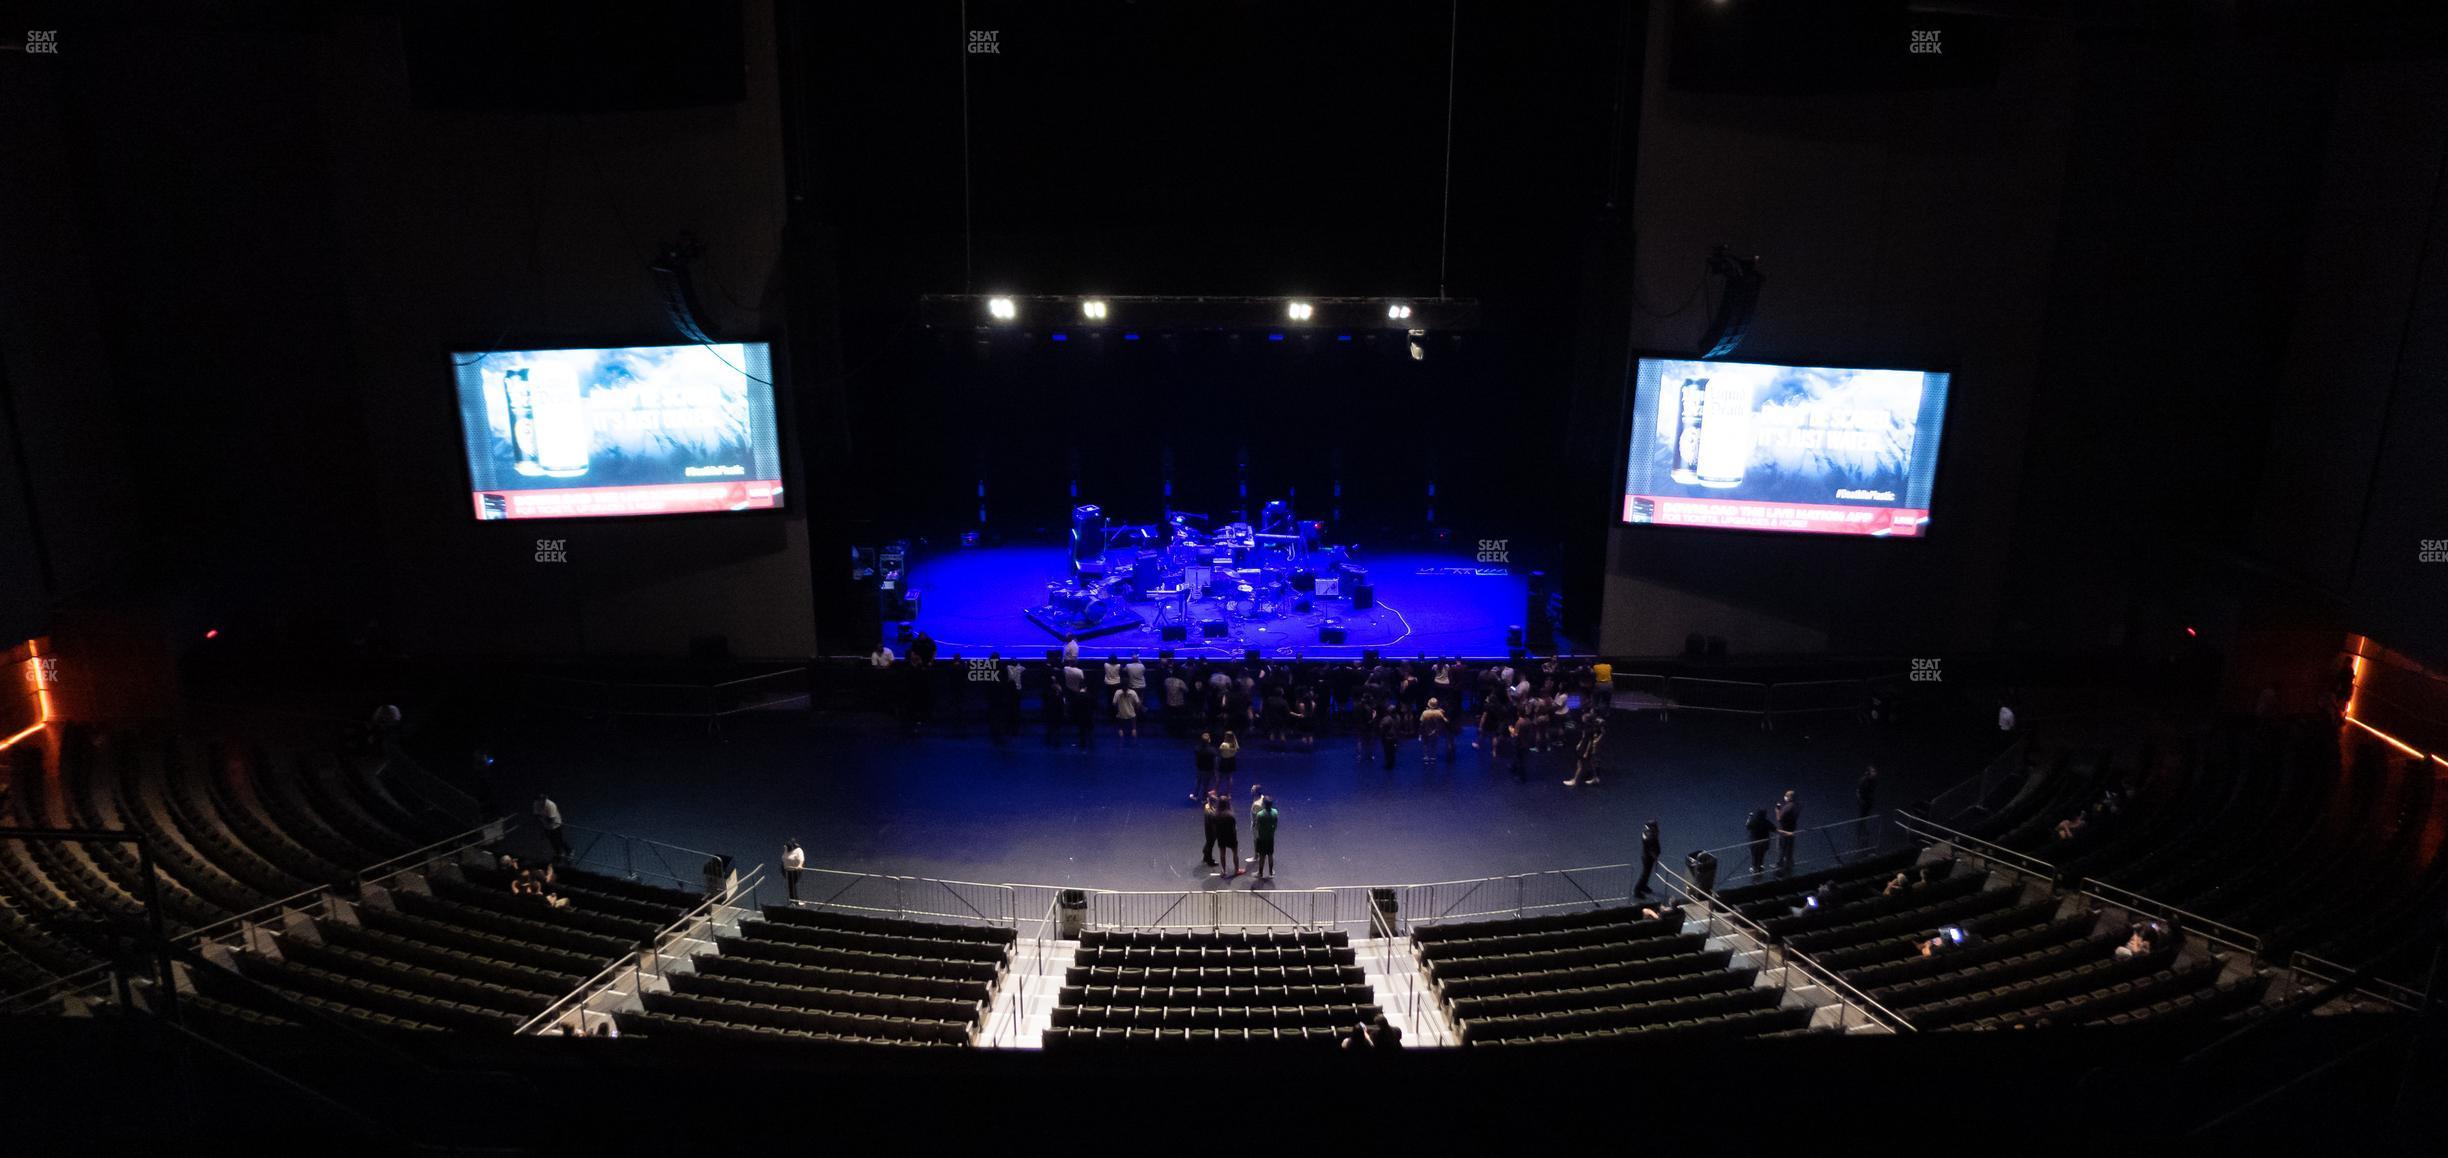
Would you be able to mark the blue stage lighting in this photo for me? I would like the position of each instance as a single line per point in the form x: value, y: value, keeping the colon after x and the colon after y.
x: 1274, y: 337
x: 1062, y: 337
x: 1130, y: 337
x: 1342, y: 337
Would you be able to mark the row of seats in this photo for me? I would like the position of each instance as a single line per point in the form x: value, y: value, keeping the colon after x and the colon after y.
x: 1212, y: 994
x: 1546, y: 960
x: 1563, y: 999
x: 976, y: 991
x: 1141, y: 1038
x: 1211, y: 938
x: 837, y: 1000
x: 1453, y: 989
x: 1252, y: 956
x: 375, y: 995
x: 893, y: 944
x: 1975, y: 976
x: 1622, y: 925
x: 1747, y: 1023
x: 678, y: 1027
x: 1213, y: 1016
x: 2106, y: 999
x: 1176, y: 975
x: 1897, y: 951
x: 1684, y: 1008
x: 838, y: 1023
x: 2074, y: 978
x: 862, y: 961
x: 890, y: 926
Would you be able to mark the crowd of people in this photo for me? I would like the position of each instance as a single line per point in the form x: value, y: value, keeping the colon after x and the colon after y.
x: 1510, y: 708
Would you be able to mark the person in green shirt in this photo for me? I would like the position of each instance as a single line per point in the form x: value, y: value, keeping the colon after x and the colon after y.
x: 1263, y: 819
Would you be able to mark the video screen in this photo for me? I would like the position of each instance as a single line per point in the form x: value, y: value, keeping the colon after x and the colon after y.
x: 638, y: 430
x: 1759, y: 447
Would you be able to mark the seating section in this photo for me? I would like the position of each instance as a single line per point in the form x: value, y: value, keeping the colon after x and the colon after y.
x: 1151, y: 989
x: 806, y: 974
x: 1584, y: 976
x: 227, y: 828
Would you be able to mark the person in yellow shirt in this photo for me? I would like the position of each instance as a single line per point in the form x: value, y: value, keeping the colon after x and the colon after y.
x: 1602, y: 685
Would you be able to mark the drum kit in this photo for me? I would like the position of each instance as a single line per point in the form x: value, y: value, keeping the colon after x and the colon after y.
x: 1250, y: 573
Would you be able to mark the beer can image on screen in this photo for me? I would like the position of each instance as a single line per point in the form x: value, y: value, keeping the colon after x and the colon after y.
x: 549, y: 432
x: 1688, y: 427
x: 1725, y: 435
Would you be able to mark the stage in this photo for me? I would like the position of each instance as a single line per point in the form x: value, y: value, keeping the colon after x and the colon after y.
x: 975, y: 600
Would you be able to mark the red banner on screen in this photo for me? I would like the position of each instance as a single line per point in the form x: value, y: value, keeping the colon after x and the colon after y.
x: 584, y: 502
x: 1673, y: 511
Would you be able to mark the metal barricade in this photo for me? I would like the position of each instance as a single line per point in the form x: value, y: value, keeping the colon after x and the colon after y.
x: 1995, y: 855
x: 884, y: 895
x: 1213, y: 909
x: 635, y: 964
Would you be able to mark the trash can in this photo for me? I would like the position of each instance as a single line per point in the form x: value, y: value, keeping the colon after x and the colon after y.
x: 1070, y: 914
x: 1387, y: 912
x: 1703, y: 867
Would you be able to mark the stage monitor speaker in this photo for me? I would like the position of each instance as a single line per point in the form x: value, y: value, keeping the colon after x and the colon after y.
x: 1176, y: 632
x: 1332, y: 633
x: 1214, y: 629
x: 1363, y: 596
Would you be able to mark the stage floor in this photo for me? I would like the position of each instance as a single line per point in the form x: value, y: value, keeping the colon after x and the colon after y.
x: 972, y: 601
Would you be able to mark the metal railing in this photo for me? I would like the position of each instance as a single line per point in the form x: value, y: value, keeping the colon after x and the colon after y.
x: 889, y: 895
x: 1214, y: 909
x: 490, y: 832
x: 1724, y: 920
x: 624, y: 857
x: 2183, y: 921
x: 1995, y: 854
x: 1518, y: 894
x: 1974, y: 792
x: 1824, y: 846
x: 2319, y: 972
x: 649, y: 950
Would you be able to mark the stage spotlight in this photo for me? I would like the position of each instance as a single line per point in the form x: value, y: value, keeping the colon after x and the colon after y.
x: 1002, y: 308
x: 1300, y: 311
x: 1093, y: 309
x: 1398, y: 311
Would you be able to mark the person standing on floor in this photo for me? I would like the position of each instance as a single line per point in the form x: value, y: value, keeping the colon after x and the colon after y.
x: 1228, y: 761
x: 1788, y: 822
x: 1585, y: 757
x: 1649, y: 857
x: 1263, y: 818
x: 1389, y: 732
x: 1204, y: 759
x: 1207, y: 820
x: 1228, y: 838
x: 1758, y: 827
x: 1865, y: 790
x: 794, y: 859
x: 1432, y: 725
x: 548, y: 818
x: 1126, y: 712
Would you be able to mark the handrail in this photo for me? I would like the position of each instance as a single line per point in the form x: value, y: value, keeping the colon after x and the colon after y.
x: 629, y: 960
x: 283, y: 905
x: 2186, y: 922
x: 1984, y: 849
x: 1845, y: 991
x: 2329, y: 972
x: 1863, y: 823
x: 629, y: 859
x: 488, y: 832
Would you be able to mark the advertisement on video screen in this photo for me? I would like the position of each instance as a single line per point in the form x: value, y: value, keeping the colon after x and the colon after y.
x: 637, y: 430
x: 1765, y: 447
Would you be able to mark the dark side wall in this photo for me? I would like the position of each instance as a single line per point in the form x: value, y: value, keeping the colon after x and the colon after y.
x: 1895, y: 229
x: 283, y: 252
